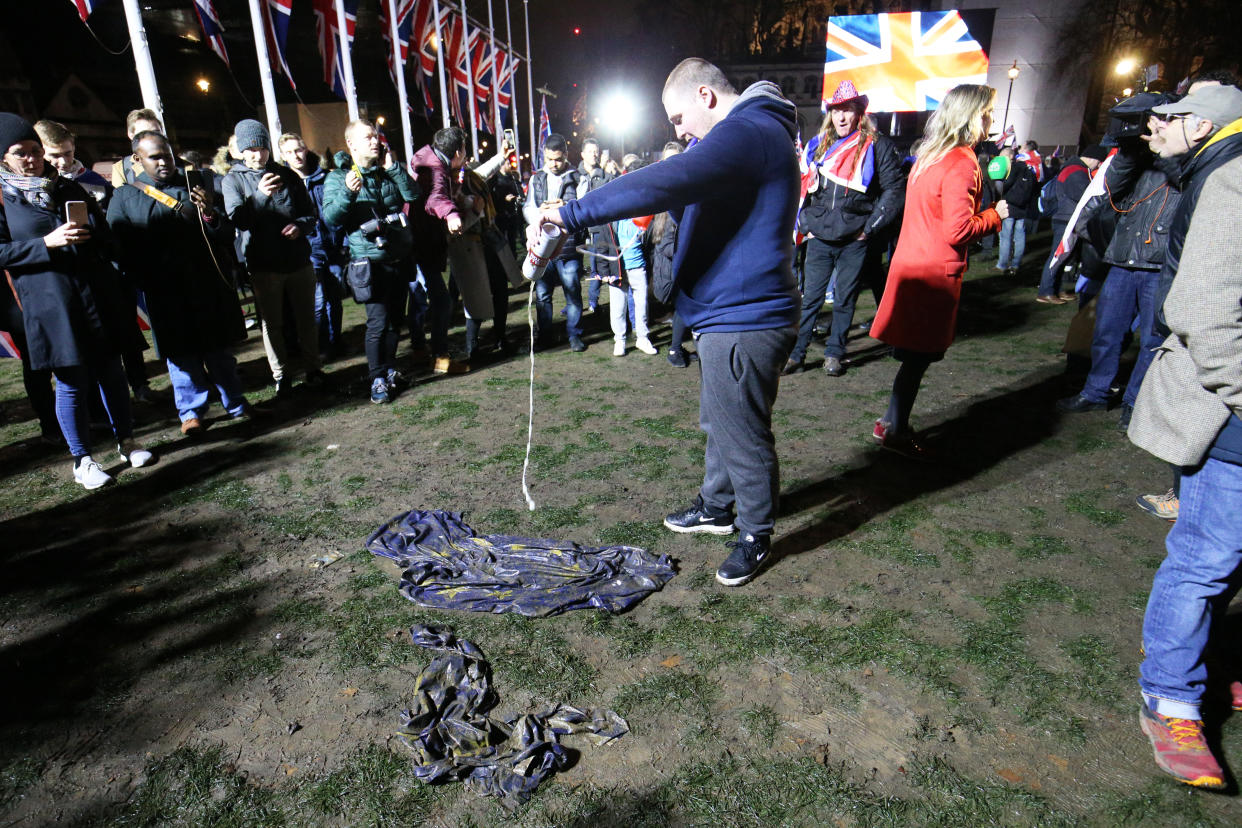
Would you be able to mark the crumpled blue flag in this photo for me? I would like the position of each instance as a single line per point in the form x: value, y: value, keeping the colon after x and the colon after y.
x: 447, y: 565
x: 449, y: 731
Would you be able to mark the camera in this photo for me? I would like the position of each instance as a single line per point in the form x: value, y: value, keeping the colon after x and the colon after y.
x: 376, y: 229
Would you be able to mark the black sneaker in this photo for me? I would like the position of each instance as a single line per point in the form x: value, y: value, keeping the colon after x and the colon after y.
x: 697, y: 519
x: 749, y: 553
x: 677, y: 358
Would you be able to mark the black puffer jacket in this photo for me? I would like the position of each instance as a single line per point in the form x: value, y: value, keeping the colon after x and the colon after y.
x: 261, y: 218
x: 834, y: 213
x: 1144, y: 214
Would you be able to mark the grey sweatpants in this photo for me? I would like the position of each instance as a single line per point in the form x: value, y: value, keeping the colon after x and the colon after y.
x: 740, y: 373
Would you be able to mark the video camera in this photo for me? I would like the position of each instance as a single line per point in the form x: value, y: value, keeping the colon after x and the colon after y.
x: 376, y: 230
x: 1129, y: 117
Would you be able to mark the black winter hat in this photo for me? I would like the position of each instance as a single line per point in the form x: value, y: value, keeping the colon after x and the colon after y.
x: 14, y: 129
x: 1095, y: 151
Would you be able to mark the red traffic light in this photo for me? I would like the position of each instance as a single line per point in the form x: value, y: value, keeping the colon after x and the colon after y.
x: 577, y: 31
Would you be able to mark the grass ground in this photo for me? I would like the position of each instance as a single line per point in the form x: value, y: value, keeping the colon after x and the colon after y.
x: 954, y: 644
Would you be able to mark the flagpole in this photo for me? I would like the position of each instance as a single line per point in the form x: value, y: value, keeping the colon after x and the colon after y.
x: 530, y: 87
x: 347, y: 65
x: 142, y: 60
x: 465, y: 49
x: 444, y: 107
x: 513, y: 97
x: 491, y: 34
x: 399, y: 70
x: 265, y: 73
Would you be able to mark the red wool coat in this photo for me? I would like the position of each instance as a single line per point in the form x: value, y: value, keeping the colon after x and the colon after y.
x: 941, y: 219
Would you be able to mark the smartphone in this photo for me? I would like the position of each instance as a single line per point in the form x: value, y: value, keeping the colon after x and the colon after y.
x: 604, y: 156
x: 193, y: 178
x: 510, y: 138
x: 75, y: 213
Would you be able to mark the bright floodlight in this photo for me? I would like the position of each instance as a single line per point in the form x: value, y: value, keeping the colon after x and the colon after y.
x: 620, y: 112
x: 1126, y: 65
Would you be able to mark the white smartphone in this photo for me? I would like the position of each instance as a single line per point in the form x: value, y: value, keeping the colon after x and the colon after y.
x: 75, y: 213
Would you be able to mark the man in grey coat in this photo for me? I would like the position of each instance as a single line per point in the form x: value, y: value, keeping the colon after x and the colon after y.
x: 1187, y: 414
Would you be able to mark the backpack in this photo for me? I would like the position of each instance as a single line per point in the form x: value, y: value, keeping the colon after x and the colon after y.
x: 1048, y: 196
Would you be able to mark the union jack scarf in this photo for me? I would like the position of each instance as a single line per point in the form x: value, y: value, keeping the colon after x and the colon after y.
x: 838, y: 165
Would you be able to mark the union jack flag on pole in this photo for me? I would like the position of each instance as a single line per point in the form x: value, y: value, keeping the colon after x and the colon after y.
x: 545, y: 129
x: 276, y: 15
x: 84, y: 7
x: 326, y: 31
x: 405, y: 22
x: 903, y: 62
x: 212, y: 30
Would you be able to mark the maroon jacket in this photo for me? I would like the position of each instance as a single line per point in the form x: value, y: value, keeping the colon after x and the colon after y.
x: 438, y: 189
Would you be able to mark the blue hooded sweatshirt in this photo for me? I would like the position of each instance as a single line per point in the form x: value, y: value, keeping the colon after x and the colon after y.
x: 734, y: 195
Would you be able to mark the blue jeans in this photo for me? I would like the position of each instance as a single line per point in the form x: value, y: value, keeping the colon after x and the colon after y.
x: 328, y: 293
x: 73, y: 401
x: 194, y: 375
x: 1204, y: 551
x: 826, y: 263
x: 1050, y: 280
x: 1012, y: 235
x: 565, y: 273
x: 1125, y: 293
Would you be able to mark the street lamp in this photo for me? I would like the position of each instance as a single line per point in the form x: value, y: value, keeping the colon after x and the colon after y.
x: 1126, y: 66
x: 620, y: 114
x: 203, y: 85
x: 1013, y: 73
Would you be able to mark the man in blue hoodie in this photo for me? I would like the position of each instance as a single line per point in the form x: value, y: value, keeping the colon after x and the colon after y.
x: 734, y: 195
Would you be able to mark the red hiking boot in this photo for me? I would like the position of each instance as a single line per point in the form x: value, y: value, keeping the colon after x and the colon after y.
x: 1181, y: 751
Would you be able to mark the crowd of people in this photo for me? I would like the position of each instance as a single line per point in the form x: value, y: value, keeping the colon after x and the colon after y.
x: 742, y: 235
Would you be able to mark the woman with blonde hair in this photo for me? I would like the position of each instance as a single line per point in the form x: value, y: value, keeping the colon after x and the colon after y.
x: 918, y: 314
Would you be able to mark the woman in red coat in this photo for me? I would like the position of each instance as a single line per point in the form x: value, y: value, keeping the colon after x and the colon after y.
x: 918, y: 313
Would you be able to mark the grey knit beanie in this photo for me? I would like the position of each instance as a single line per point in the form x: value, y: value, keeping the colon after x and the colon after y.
x: 251, y: 134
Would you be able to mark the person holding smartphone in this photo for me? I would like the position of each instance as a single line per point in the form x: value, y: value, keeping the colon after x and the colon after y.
x: 171, y: 241
x: 269, y: 204
x: 72, y: 305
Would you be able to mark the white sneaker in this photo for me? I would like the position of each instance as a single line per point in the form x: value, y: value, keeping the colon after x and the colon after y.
x: 90, y: 474
x: 618, y: 348
x: 644, y: 345
x: 134, y: 454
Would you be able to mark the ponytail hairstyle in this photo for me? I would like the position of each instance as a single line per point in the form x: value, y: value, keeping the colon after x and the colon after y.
x: 958, y: 122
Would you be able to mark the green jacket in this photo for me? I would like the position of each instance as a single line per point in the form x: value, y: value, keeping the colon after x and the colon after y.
x: 384, y: 192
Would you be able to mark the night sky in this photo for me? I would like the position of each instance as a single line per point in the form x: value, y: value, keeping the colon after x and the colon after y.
x: 618, y: 47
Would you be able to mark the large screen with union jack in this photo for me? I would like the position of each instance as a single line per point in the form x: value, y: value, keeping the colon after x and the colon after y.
x: 903, y: 62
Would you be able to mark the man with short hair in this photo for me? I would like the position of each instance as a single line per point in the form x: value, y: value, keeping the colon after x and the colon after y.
x: 735, y: 196
x: 59, y: 150
x: 1187, y: 414
x: 138, y: 120
x: 168, y: 237
x: 326, y: 244
x: 365, y: 196
x: 591, y: 176
x: 437, y: 212
x: 549, y: 188
x: 268, y: 203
